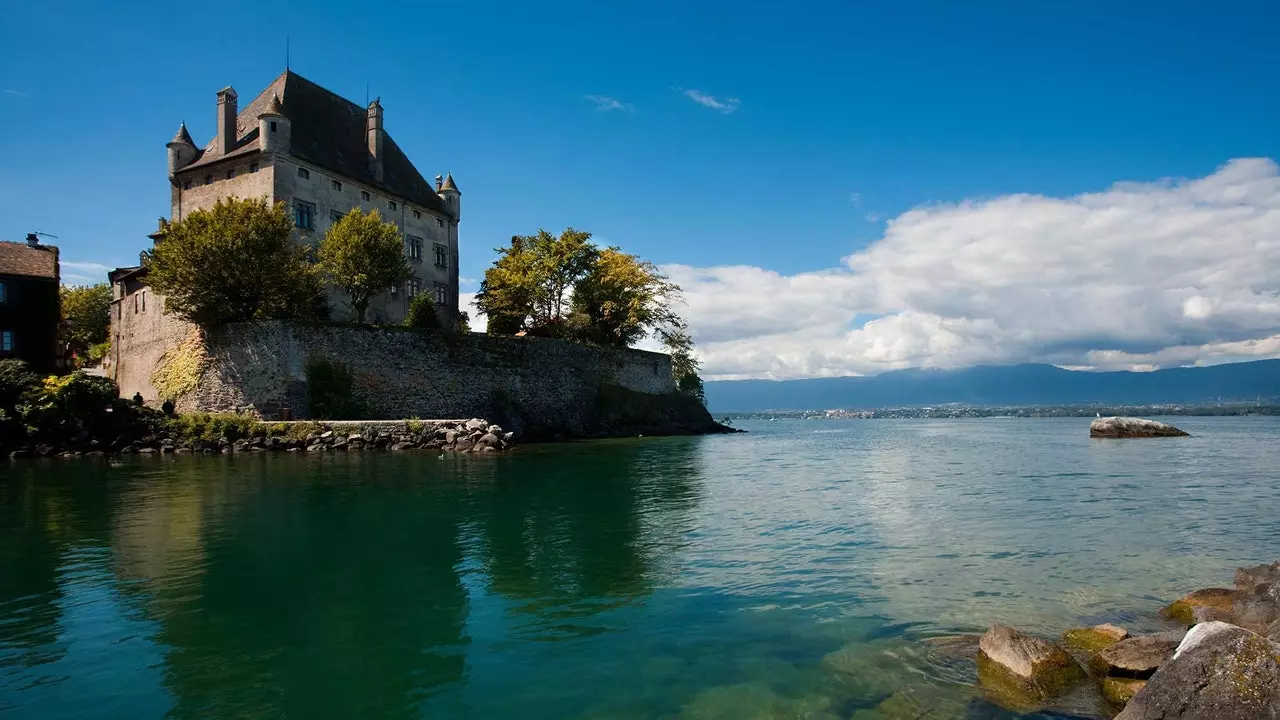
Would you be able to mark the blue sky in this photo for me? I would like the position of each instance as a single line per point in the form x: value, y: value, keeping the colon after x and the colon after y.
x: 833, y: 117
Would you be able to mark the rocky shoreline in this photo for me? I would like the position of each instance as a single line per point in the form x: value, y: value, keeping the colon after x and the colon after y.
x: 1223, y: 663
x: 446, y: 436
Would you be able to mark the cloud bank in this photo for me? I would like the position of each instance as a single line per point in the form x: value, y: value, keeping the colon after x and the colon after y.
x: 1139, y: 276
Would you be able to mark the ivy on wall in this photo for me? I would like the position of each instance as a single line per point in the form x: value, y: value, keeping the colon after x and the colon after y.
x: 178, y: 372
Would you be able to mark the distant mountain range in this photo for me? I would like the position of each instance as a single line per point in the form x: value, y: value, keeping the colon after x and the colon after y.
x: 1003, y: 385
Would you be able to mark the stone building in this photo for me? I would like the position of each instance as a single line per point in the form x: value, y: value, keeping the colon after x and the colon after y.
x: 322, y: 155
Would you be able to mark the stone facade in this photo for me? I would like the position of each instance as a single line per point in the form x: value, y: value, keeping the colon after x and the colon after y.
x: 549, y: 387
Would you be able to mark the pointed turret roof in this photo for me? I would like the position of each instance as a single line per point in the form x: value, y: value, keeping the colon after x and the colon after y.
x: 182, y: 136
x: 274, y: 108
x: 449, y: 185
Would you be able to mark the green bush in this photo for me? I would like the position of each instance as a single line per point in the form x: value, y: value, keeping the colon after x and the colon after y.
x: 422, y: 313
x: 212, y: 427
x: 65, y: 406
x: 330, y: 393
x: 17, y: 384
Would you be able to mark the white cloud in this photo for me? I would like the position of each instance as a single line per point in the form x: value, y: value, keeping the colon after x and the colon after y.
x: 1140, y: 275
x: 725, y: 106
x: 476, y: 320
x: 604, y: 103
x: 83, y: 273
x: 8, y: 91
x: 856, y: 199
x: 872, y: 217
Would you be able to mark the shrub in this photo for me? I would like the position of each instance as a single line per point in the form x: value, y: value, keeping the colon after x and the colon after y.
x: 329, y: 390
x: 212, y: 427
x: 17, y: 384
x: 422, y: 313
x: 65, y: 406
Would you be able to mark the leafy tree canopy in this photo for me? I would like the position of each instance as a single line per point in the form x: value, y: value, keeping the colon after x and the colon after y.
x: 234, y: 262
x: 364, y: 256
x: 86, y: 315
x: 529, y: 284
x: 422, y: 313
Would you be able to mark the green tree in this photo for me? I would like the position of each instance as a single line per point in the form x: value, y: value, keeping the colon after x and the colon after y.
x: 234, y: 262
x: 364, y: 256
x: 678, y: 342
x: 622, y: 299
x: 86, y: 316
x: 529, y: 285
x: 422, y: 313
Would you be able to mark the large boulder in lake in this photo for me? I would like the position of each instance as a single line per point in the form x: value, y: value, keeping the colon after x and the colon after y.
x: 1128, y: 427
x: 1136, y: 658
x: 1258, y: 609
x: 1093, y: 639
x: 1219, y: 671
x: 1183, y: 609
x: 1020, y: 671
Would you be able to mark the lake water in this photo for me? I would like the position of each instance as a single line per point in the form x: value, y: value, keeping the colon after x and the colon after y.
x: 803, y: 570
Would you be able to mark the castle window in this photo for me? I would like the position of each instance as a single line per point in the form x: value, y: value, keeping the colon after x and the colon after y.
x: 391, y: 204
x: 304, y: 215
x: 415, y: 287
x: 413, y: 246
x: 395, y: 290
x: 304, y: 173
x: 186, y: 184
x: 364, y: 195
x: 143, y: 295
x: 439, y: 222
x: 442, y: 294
x: 337, y: 185
x: 208, y: 179
x: 334, y: 216
x: 6, y: 341
x: 417, y: 215
x: 231, y: 173
x: 253, y: 167
x: 4, y: 293
x: 273, y: 126
x: 440, y: 257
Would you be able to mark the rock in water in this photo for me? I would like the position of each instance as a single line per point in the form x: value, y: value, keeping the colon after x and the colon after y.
x: 1020, y: 671
x: 1258, y: 609
x: 1219, y: 671
x: 1121, y: 690
x: 1183, y: 609
x: 1127, y: 427
x: 1135, y: 658
x: 1093, y: 639
x: 1258, y: 575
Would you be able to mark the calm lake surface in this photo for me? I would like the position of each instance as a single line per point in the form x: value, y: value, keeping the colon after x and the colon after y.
x: 804, y: 570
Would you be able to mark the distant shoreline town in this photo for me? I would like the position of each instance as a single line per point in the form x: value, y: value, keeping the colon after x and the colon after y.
x: 945, y: 412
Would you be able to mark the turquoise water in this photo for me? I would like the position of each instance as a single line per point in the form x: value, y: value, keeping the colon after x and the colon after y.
x: 803, y: 570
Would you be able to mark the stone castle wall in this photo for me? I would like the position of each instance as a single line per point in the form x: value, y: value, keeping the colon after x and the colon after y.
x: 397, y: 372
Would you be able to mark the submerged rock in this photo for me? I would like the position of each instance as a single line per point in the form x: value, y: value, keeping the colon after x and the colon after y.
x: 1258, y: 609
x: 739, y: 702
x: 1127, y: 427
x: 1137, y: 657
x: 1219, y: 671
x: 1183, y: 609
x: 1093, y: 639
x: 1020, y: 672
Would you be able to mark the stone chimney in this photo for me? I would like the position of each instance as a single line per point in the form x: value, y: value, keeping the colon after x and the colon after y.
x: 33, y: 240
x: 227, y: 112
x: 374, y: 137
x: 439, y: 182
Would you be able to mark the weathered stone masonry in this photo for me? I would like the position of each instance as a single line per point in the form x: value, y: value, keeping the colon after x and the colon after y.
x: 398, y: 373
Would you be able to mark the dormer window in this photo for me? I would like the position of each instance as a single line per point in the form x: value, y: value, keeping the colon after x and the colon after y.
x: 391, y: 204
x: 364, y: 195
x: 337, y: 185
x: 417, y: 215
x: 304, y: 173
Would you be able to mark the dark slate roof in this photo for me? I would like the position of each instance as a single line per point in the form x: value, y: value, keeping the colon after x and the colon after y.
x: 328, y: 130
x: 182, y: 136
x: 275, y: 108
x: 19, y: 258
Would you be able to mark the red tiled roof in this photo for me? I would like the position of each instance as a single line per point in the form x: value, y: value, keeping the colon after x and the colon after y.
x: 19, y: 258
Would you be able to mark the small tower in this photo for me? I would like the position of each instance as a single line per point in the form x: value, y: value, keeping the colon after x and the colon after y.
x: 452, y: 196
x: 182, y: 151
x: 274, y: 130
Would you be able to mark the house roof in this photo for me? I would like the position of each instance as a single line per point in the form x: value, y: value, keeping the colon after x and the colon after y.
x: 328, y: 130
x: 19, y: 258
x: 448, y: 184
x: 182, y: 136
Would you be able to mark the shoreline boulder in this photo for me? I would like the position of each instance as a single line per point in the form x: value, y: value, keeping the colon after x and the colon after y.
x: 1093, y: 639
x: 1020, y: 671
x: 1137, y: 658
x: 1257, y: 575
x: 1129, y: 427
x: 1183, y: 609
x: 1219, y: 671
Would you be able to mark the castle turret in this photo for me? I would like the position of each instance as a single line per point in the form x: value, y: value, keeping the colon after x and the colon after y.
x: 448, y: 191
x: 274, y: 129
x: 182, y: 151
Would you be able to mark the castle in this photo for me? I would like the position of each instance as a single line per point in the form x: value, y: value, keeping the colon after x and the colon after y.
x: 321, y: 155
